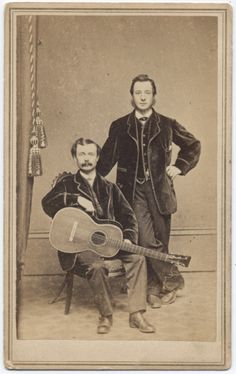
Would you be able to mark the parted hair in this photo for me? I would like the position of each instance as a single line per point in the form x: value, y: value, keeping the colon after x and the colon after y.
x: 143, y: 78
x: 83, y: 141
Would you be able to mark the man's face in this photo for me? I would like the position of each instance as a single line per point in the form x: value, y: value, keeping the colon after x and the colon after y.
x: 143, y: 95
x: 86, y: 157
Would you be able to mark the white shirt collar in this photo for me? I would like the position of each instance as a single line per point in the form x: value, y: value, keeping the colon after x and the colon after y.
x: 140, y: 115
x: 89, y: 177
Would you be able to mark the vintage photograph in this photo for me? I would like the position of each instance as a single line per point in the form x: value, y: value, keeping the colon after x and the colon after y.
x: 117, y: 186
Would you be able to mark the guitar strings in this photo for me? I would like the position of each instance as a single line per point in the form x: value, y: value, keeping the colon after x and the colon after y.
x: 138, y: 248
x: 119, y: 243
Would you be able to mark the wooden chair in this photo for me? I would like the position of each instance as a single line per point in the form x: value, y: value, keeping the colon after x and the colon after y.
x: 115, y: 268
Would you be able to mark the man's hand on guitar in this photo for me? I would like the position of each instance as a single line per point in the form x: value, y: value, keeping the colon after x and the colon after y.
x: 127, y: 241
x: 86, y: 204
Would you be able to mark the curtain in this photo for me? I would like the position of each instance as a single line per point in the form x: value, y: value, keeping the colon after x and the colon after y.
x: 24, y: 125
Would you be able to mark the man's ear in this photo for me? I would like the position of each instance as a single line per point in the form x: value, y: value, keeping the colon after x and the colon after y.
x: 132, y: 102
x: 75, y: 160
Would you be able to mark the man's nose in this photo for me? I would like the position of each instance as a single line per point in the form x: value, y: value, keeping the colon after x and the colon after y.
x: 142, y: 97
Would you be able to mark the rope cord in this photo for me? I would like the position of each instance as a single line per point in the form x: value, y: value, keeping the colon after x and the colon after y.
x: 38, y: 135
x: 32, y: 75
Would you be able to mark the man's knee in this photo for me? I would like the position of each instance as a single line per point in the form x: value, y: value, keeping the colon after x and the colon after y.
x: 151, y: 243
x: 96, y: 268
x: 137, y: 259
x: 86, y: 270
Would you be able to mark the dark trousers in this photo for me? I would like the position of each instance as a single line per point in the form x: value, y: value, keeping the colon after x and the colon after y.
x: 92, y: 267
x: 154, y: 233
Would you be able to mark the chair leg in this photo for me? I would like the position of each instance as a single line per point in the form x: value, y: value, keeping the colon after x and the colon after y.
x: 60, y: 289
x: 124, y: 288
x: 69, y: 290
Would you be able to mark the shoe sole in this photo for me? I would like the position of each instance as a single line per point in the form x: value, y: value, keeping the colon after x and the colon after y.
x: 171, y: 301
x: 155, y: 306
x: 103, y: 332
x: 134, y: 326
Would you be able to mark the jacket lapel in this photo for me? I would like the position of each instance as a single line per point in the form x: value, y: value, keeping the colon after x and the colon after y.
x: 102, y: 191
x: 154, y: 126
x: 81, y: 186
x: 100, y: 187
x: 131, y: 127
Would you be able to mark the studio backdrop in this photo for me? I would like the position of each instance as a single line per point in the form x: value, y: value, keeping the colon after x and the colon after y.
x: 85, y: 65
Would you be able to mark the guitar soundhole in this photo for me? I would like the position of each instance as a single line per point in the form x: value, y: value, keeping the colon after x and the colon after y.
x: 98, y: 238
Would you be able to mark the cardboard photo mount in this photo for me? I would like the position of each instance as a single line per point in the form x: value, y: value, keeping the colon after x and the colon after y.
x: 102, y: 354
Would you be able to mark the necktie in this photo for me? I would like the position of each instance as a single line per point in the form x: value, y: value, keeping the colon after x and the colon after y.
x: 143, y: 119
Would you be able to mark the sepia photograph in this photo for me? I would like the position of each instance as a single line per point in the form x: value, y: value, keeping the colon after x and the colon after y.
x: 117, y: 186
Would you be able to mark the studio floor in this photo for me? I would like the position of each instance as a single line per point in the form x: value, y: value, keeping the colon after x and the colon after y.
x: 191, y: 318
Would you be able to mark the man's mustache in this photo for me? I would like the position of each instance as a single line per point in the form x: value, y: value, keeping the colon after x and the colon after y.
x: 87, y: 164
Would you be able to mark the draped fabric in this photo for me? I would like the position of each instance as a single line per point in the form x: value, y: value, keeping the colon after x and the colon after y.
x: 24, y: 185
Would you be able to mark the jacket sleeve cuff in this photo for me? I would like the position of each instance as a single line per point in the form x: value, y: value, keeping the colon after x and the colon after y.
x: 182, y: 165
x: 70, y: 199
x: 130, y: 235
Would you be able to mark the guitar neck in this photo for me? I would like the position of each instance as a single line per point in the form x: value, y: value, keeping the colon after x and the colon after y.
x: 133, y: 248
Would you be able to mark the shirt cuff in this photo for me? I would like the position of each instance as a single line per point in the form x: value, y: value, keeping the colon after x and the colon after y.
x: 182, y: 165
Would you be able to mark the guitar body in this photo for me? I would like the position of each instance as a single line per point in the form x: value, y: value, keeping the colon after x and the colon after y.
x: 74, y: 231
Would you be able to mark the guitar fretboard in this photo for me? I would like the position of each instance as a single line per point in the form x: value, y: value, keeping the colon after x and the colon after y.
x: 133, y: 248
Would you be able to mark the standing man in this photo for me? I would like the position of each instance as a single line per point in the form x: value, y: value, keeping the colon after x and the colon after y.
x: 90, y: 192
x: 141, y: 144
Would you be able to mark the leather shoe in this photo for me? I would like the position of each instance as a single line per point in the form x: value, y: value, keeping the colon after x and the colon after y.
x: 104, y: 325
x: 136, y: 320
x: 154, y: 301
x: 168, y: 298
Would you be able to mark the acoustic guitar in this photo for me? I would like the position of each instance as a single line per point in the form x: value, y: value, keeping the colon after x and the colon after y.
x: 74, y: 231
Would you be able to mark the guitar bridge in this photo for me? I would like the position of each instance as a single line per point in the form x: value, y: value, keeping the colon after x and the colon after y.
x: 73, y: 231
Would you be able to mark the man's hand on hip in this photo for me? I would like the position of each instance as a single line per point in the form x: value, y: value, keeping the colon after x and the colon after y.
x: 172, y: 171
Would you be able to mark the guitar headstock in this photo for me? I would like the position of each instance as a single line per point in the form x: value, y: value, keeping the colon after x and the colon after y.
x: 181, y: 260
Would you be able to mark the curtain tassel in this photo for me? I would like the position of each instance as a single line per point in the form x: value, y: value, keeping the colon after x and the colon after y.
x: 34, y: 164
x: 40, y: 130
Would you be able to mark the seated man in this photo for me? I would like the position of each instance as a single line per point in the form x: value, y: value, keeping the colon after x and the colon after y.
x: 89, y: 191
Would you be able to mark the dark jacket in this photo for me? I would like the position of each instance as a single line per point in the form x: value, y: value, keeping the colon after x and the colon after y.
x: 115, y: 207
x: 122, y: 146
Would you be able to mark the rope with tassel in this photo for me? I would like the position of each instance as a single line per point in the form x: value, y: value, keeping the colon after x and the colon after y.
x: 38, y: 136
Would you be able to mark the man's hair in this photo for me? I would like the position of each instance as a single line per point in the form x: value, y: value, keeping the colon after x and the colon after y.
x: 83, y: 141
x: 143, y: 78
